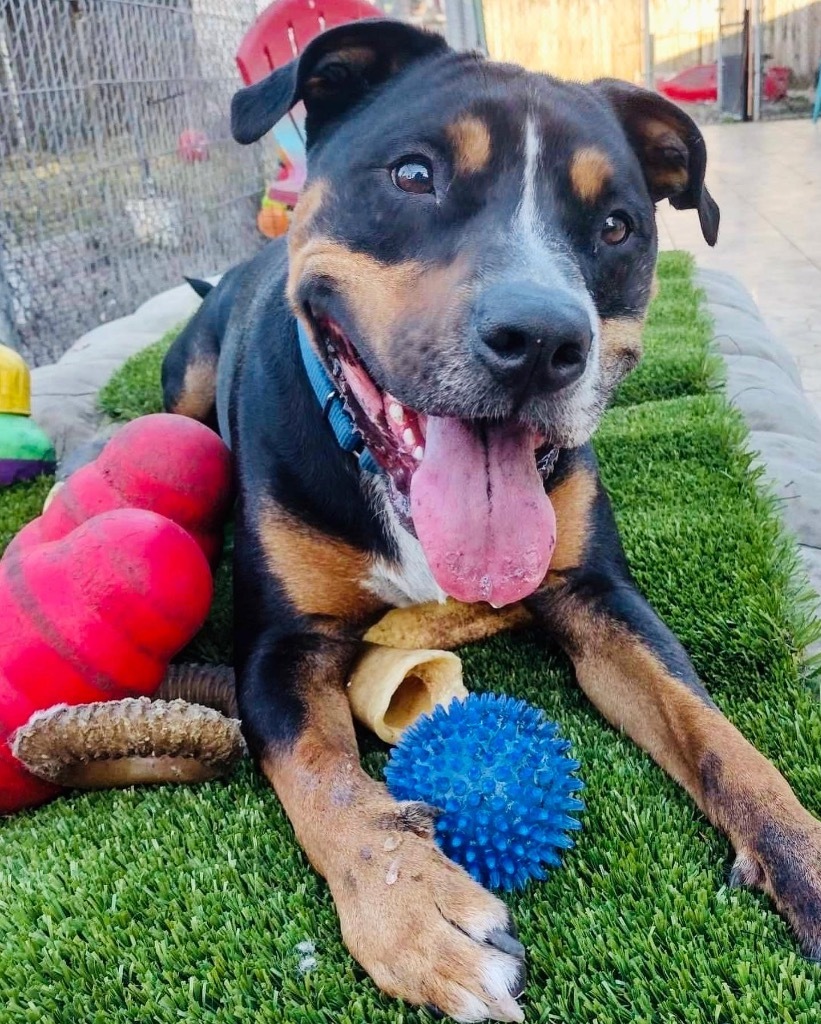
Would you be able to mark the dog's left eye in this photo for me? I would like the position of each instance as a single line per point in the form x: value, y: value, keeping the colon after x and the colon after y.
x: 616, y: 229
x: 414, y: 175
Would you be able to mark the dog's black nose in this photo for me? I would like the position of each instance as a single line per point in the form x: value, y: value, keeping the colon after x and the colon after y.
x: 531, y: 337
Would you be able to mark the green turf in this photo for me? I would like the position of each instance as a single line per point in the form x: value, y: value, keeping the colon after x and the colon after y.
x: 189, y: 904
x: 135, y: 389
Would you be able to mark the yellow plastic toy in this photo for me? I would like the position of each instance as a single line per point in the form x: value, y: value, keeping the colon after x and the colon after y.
x: 25, y: 451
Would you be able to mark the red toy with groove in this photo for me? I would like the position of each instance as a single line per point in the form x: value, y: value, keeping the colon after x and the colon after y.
x: 111, y: 581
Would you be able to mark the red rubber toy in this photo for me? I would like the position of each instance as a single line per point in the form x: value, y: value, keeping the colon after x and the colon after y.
x: 96, y: 615
x: 167, y: 464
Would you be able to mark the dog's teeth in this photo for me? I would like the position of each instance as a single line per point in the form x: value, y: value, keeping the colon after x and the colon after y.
x: 397, y: 413
x: 418, y: 452
x: 409, y: 437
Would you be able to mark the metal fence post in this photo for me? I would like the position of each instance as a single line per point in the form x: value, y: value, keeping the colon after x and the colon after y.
x: 647, y: 47
x: 11, y: 86
x: 8, y: 331
x: 720, y: 60
x: 757, y: 58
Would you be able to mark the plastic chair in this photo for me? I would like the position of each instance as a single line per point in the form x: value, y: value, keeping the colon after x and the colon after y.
x: 280, y: 34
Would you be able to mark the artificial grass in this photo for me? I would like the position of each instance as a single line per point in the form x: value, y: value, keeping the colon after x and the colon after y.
x: 135, y: 389
x: 191, y: 903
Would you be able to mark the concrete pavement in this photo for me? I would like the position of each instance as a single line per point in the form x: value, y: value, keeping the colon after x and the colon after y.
x: 766, y: 177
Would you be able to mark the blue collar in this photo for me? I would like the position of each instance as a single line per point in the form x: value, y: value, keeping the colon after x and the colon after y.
x: 333, y: 407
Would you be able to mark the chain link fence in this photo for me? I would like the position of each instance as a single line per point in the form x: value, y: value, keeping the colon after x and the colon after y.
x: 117, y: 171
x: 118, y: 174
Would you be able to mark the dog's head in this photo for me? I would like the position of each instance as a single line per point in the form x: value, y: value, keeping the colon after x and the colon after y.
x: 473, y: 254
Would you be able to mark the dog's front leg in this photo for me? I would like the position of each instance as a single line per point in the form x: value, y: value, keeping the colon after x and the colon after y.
x: 420, y: 926
x: 637, y: 674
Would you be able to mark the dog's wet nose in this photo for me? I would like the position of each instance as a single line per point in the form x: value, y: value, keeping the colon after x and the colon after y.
x: 530, y: 337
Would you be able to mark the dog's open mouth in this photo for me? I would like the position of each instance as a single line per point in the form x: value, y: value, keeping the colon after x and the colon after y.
x: 472, y: 490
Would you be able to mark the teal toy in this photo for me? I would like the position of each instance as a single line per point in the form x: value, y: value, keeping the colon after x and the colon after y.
x: 25, y: 451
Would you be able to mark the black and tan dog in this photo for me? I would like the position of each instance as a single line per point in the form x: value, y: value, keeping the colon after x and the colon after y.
x: 470, y: 262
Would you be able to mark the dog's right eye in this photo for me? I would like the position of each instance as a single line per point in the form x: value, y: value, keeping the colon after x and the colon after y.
x: 414, y: 175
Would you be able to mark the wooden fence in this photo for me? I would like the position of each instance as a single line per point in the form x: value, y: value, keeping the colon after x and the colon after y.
x: 583, y: 39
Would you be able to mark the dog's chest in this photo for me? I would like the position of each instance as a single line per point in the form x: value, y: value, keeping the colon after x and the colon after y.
x: 405, y: 579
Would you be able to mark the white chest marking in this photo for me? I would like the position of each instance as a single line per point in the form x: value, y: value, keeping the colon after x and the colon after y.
x: 407, y: 579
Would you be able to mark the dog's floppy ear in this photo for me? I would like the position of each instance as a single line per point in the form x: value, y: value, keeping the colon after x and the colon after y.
x: 670, y: 149
x: 333, y: 73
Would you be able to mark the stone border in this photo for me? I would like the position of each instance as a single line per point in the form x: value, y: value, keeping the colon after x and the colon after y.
x: 763, y: 382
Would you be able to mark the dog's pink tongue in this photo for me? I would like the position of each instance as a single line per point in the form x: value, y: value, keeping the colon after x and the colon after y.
x: 480, y: 511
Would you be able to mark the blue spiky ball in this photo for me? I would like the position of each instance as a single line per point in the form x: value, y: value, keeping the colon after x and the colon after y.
x: 502, y: 777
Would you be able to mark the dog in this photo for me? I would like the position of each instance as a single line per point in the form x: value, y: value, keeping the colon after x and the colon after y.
x: 409, y: 384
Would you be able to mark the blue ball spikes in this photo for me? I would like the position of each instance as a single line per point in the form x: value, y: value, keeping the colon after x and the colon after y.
x: 503, y: 780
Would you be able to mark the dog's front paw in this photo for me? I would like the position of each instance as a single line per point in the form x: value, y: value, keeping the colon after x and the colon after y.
x: 421, y: 927
x: 785, y: 861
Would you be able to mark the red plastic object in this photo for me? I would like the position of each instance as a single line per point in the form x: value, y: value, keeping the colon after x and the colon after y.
x: 776, y: 82
x: 168, y: 464
x: 284, y: 29
x: 94, y: 616
x: 698, y: 84
x: 192, y: 146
